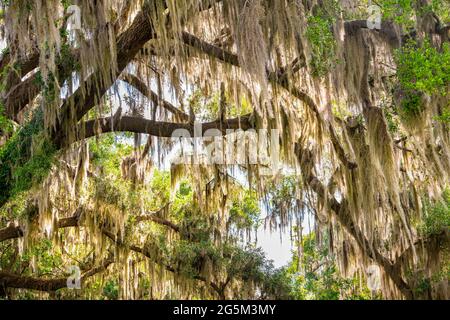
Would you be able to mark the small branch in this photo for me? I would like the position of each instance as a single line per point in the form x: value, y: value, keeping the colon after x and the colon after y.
x: 143, y: 88
x: 10, y: 232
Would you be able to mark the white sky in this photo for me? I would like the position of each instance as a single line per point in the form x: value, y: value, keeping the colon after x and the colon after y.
x: 277, y: 249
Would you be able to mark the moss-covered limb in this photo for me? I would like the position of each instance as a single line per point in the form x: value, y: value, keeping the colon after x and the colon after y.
x: 27, y: 158
x: 85, y: 98
x: 15, y: 232
x: 431, y: 240
x: 22, y: 66
x: 19, y: 93
x: 277, y: 78
x: 21, y: 167
x: 11, y: 280
x: 342, y: 211
x: 387, y: 30
x: 10, y: 232
x: 146, y: 253
x: 157, y: 260
x: 160, y: 128
x: 128, y: 44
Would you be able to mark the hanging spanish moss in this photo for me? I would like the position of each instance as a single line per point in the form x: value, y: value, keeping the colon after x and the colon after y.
x: 148, y: 143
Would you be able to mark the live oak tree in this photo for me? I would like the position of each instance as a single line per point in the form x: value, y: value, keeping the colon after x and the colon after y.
x: 361, y: 109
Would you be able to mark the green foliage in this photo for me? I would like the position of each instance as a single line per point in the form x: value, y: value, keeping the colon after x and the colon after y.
x: 66, y: 60
x: 66, y: 4
x: 5, y: 124
x: 411, y: 104
x: 441, y: 8
x: 314, y: 275
x: 392, y: 120
x: 424, y: 68
x: 444, y: 117
x: 437, y: 215
x: 25, y: 159
x: 245, y: 211
x: 47, y: 260
x: 321, y: 38
x: 405, y: 12
x: 111, y: 290
x: 161, y: 186
x: 108, y: 151
x: 399, y: 11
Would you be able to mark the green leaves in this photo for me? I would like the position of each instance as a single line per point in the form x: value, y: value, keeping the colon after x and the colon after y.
x: 111, y: 290
x: 405, y: 12
x: 314, y: 275
x: 108, y: 151
x: 437, y: 215
x: 245, y: 211
x: 400, y: 11
x: 48, y: 259
x: 322, y: 42
x: 424, y: 68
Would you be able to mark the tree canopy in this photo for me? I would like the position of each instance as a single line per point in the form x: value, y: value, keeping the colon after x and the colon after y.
x: 144, y: 142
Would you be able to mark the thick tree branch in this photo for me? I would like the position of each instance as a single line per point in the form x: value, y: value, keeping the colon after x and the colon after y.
x: 10, y: 232
x: 387, y: 30
x: 157, y: 128
x: 10, y: 280
x: 128, y: 45
x: 154, y: 218
x: 20, y: 93
x: 277, y: 78
x: 26, y: 65
x: 342, y: 212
